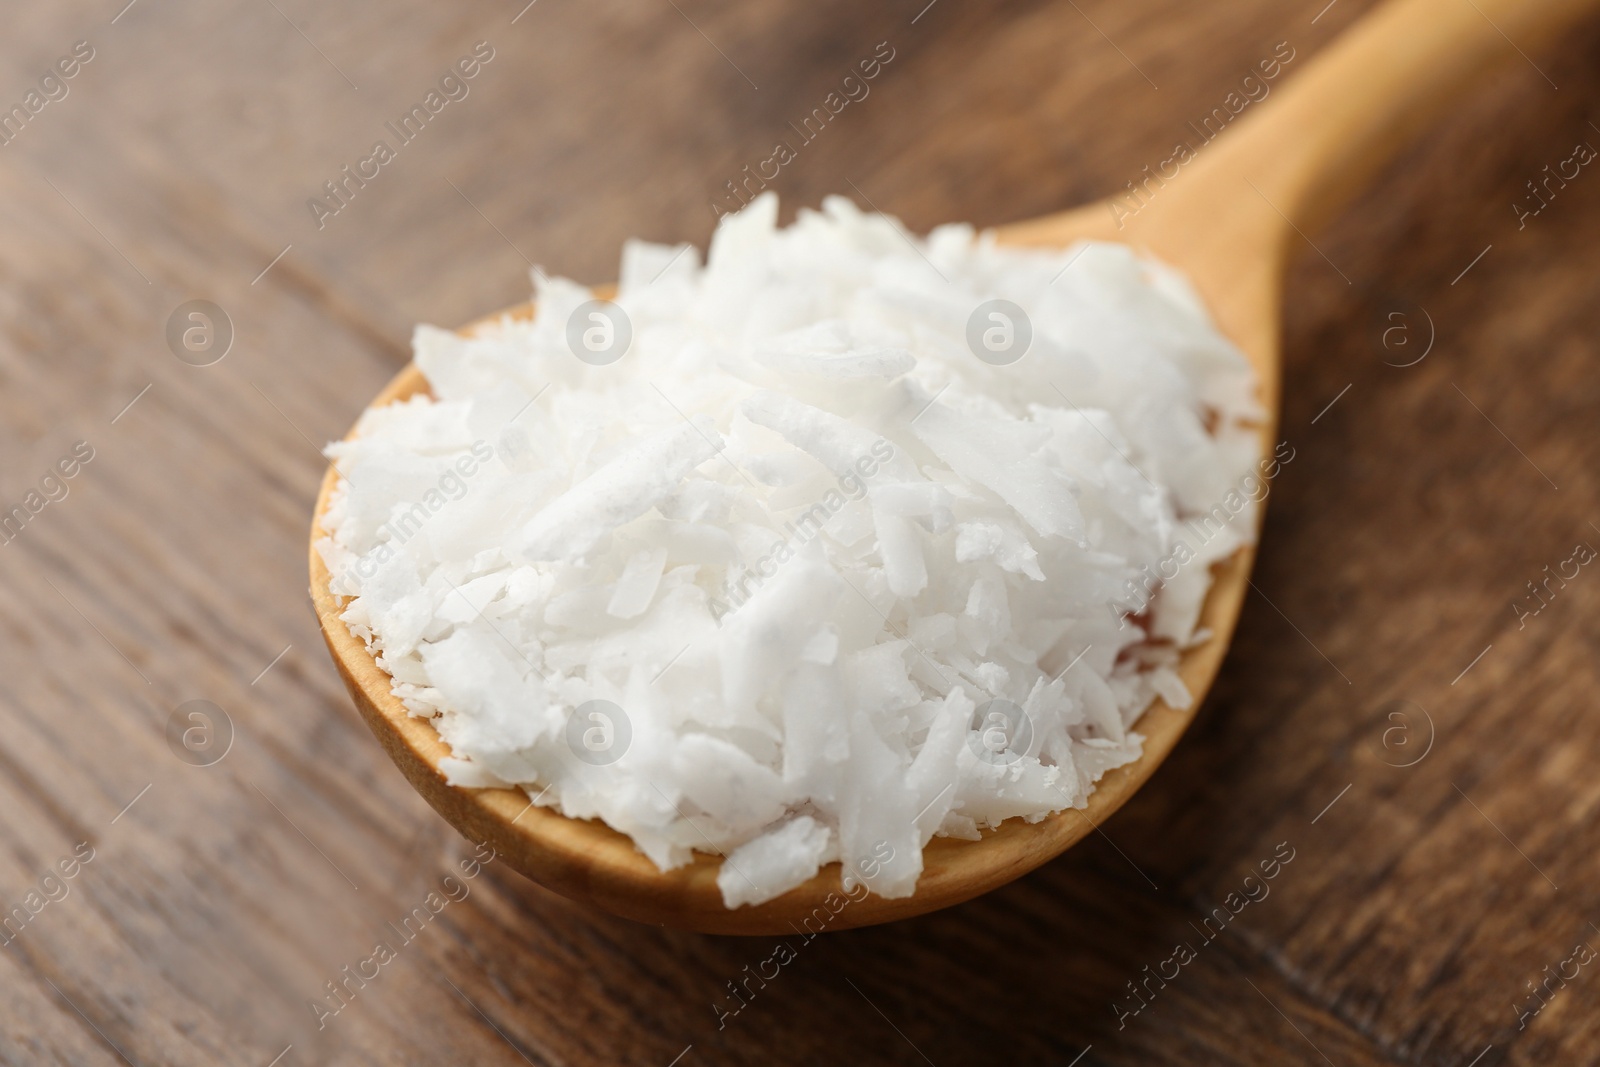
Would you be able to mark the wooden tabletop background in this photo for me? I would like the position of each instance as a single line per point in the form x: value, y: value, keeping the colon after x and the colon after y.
x: 1424, y: 751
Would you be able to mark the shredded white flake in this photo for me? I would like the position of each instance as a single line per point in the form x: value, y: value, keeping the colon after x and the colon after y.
x: 819, y: 568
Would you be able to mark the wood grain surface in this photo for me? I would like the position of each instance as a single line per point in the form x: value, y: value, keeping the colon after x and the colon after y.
x: 1422, y: 749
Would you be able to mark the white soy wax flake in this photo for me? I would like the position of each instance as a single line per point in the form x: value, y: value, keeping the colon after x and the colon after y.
x: 845, y: 562
x: 777, y: 861
x: 638, y: 583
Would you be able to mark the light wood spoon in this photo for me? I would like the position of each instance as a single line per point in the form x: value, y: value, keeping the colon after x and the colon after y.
x: 1228, y: 219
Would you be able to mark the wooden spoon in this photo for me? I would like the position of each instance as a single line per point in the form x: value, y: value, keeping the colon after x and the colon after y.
x: 1228, y: 218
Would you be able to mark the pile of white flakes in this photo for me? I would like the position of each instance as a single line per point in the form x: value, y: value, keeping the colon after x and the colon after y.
x: 808, y: 554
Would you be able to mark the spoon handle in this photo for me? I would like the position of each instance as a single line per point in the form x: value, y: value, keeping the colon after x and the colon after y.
x: 1315, y: 143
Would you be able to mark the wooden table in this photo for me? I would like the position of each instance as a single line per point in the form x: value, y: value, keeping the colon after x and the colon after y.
x: 1425, y: 754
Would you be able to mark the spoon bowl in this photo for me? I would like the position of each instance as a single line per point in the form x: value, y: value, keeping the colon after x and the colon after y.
x: 1228, y: 220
